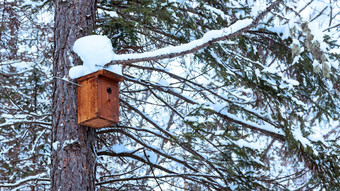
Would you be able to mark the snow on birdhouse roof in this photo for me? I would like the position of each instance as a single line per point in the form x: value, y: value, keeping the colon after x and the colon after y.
x: 95, y: 51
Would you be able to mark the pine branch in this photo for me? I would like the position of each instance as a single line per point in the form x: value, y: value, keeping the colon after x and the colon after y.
x: 131, y: 155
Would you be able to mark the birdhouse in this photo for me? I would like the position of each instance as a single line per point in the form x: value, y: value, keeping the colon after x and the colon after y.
x: 98, y: 99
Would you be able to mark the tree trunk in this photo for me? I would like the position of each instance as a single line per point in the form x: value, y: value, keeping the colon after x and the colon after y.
x: 73, y: 155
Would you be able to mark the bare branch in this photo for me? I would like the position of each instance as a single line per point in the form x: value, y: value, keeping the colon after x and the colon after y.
x: 131, y: 155
x: 203, y: 88
x: 160, y: 88
x: 181, y: 144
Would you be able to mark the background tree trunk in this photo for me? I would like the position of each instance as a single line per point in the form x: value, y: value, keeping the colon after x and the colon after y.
x: 73, y: 155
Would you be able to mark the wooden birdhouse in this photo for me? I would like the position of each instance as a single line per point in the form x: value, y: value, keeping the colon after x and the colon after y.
x: 98, y: 99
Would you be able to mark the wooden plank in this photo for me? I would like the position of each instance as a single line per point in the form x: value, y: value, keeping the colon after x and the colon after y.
x: 109, y: 99
x: 87, y: 99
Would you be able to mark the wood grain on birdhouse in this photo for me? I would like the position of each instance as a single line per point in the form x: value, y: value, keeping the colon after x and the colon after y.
x: 98, y: 99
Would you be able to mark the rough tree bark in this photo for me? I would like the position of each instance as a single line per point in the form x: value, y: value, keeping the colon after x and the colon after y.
x: 73, y: 155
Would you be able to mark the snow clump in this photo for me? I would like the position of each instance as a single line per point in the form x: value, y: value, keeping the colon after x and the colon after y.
x: 95, y: 51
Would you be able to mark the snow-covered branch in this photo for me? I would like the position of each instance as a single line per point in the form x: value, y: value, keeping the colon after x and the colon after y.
x: 195, y: 177
x: 175, y: 51
x: 268, y: 130
x: 25, y: 180
x: 208, y: 38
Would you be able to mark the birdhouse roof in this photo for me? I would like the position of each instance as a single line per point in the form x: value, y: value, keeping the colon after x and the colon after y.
x: 105, y: 73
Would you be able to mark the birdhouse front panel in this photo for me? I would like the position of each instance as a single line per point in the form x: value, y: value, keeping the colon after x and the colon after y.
x: 98, y: 99
x: 109, y: 99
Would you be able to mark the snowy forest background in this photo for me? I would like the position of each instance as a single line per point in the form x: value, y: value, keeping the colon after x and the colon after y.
x: 258, y: 110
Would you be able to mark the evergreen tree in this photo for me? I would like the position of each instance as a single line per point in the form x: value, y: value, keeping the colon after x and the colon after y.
x: 251, y: 109
x: 244, y: 113
x: 25, y: 87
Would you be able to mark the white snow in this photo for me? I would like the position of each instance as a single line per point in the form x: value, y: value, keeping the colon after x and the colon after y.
x: 95, y: 51
x: 256, y: 8
x: 78, y: 71
x: 304, y: 141
x: 271, y: 70
x: 177, y: 1
x: 243, y: 143
x: 69, y: 142
x: 318, y: 34
x: 291, y: 81
x: 118, y: 148
x: 335, y: 64
x: 218, y: 12
x: 191, y: 118
x: 334, y: 51
x: 197, y: 119
x: 315, y: 137
x: 152, y: 157
x: 55, y: 145
x: 257, y: 73
x: 110, y: 13
x: 283, y: 31
x: 316, y: 64
x: 163, y: 83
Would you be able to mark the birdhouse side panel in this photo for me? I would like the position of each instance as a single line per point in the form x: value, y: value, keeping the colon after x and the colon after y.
x: 109, y: 99
x: 87, y: 100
